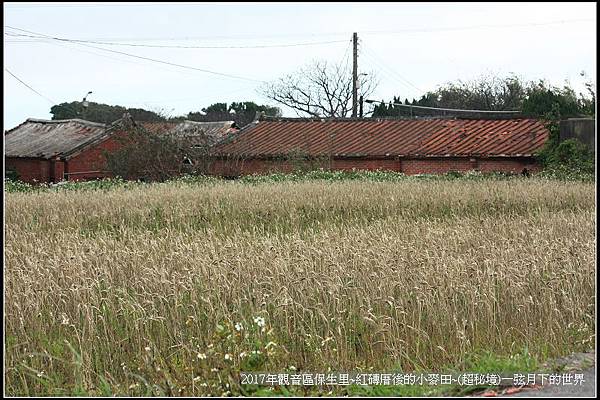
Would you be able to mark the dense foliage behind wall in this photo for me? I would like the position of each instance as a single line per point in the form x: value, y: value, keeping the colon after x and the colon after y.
x: 491, y: 93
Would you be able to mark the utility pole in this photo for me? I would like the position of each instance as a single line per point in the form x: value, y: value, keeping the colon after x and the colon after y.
x: 354, y: 74
x: 361, y: 106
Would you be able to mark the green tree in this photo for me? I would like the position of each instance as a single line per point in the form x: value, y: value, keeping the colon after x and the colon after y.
x: 103, y: 113
x: 242, y: 113
x: 543, y: 99
x: 216, y: 108
x: 534, y: 99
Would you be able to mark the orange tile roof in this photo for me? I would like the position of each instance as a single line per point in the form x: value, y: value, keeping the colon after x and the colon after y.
x: 388, y: 137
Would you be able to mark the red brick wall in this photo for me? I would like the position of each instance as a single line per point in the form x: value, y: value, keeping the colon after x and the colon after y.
x: 508, y: 165
x: 29, y: 169
x: 40, y: 170
x: 92, y: 159
x: 247, y: 167
x: 348, y: 164
x: 435, y: 165
x: 407, y: 166
x: 57, y: 169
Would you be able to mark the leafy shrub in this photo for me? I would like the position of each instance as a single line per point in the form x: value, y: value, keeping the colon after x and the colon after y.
x: 15, y: 186
x: 567, y: 160
x: 573, y: 154
x: 11, y: 175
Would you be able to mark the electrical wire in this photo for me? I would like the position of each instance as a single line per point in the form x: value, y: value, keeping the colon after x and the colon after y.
x: 145, y: 58
x: 29, y: 87
x: 330, y: 34
x: 64, y: 105
x: 184, y: 47
x: 128, y: 61
x: 375, y: 57
x: 475, y: 27
x: 346, y: 56
x: 446, y: 109
x: 386, y: 72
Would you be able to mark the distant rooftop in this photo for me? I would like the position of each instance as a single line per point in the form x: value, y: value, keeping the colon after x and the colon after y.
x: 38, y: 138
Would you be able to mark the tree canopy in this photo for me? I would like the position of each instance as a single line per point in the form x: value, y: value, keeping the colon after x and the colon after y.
x: 535, y: 98
x: 240, y: 112
x: 104, y: 113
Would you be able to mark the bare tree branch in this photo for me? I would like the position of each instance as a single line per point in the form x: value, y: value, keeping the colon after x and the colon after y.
x: 319, y: 90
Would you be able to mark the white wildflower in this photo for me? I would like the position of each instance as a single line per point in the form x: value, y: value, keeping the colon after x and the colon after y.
x: 227, y: 356
x: 239, y: 326
x: 202, y: 356
x: 147, y: 348
x: 260, y: 321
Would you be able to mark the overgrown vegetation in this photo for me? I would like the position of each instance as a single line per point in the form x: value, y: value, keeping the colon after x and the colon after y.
x: 493, y: 93
x: 159, y: 156
x: 569, y: 159
x: 201, y: 280
x: 298, y: 175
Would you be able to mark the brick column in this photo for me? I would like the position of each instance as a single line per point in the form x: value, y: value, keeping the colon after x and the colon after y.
x: 474, y: 163
x: 57, y: 169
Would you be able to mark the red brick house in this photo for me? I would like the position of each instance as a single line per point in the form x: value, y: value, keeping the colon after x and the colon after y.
x: 411, y: 146
x: 52, y: 151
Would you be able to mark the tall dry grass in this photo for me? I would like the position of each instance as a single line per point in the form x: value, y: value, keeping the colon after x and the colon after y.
x: 127, y: 290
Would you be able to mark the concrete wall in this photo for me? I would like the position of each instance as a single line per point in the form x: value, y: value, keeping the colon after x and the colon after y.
x: 583, y: 129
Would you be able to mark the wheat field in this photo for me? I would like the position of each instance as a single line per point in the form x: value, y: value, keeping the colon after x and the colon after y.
x: 174, y: 289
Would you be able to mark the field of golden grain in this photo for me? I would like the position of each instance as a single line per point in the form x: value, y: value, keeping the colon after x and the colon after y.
x: 175, y: 289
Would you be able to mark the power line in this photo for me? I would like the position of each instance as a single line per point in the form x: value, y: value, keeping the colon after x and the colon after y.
x: 29, y: 87
x: 387, y: 72
x: 345, y: 57
x: 374, y: 56
x: 446, y: 109
x: 184, y: 47
x: 86, y: 5
x: 39, y: 94
x: 409, y: 30
x: 128, y: 61
x: 143, y: 58
x: 461, y: 28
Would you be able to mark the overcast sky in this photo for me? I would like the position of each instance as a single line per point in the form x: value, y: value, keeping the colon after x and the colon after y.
x: 411, y: 47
